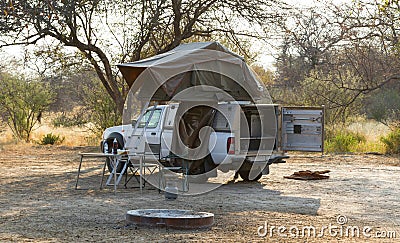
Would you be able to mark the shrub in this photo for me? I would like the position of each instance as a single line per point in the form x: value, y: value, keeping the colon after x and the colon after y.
x: 384, y: 107
x: 392, y: 142
x: 343, y: 141
x: 51, y: 139
x: 22, y: 104
x: 101, y: 109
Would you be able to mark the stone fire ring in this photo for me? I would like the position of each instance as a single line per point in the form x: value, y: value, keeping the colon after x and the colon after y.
x: 170, y: 218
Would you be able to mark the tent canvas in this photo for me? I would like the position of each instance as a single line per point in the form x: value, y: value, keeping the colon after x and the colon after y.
x: 194, y: 65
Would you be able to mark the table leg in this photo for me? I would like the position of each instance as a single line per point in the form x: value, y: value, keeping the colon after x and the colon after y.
x: 102, y: 177
x: 141, y: 173
x: 79, y: 171
x: 115, y: 174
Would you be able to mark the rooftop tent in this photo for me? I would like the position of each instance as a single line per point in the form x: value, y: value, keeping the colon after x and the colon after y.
x: 194, y: 66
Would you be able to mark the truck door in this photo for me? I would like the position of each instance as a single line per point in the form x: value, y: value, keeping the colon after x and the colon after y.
x: 152, y: 131
x: 302, y: 129
x: 168, y: 129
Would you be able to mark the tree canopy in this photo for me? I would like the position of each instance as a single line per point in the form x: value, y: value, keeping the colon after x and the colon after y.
x: 332, y: 54
x: 108, y: 32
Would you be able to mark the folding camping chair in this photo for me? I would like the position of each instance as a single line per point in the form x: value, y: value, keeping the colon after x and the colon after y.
x: 144, y: 166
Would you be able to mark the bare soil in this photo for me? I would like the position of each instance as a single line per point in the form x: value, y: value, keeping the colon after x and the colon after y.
x: 38, y: 202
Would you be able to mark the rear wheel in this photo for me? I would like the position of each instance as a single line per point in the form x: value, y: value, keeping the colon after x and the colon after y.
x: 204, y: 171
x: 244, y: 172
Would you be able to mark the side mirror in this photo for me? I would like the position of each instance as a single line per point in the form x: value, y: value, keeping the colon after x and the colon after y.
x: 133, y: 123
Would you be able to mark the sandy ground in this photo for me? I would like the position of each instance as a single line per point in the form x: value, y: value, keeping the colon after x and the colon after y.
x: 38, y: 202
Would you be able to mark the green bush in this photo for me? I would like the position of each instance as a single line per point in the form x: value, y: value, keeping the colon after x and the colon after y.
x: 392, y: 142
x: 51, y: 139
x: 101, y: 109
x: 22, y: 104
x: 343, y: 141
x: 384, y: 106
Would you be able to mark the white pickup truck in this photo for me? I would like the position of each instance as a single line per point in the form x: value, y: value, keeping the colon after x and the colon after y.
x: 235, y: 139
x: 216, y: 114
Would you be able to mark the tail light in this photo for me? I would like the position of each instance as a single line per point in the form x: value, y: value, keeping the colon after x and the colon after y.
x: 230, y: 145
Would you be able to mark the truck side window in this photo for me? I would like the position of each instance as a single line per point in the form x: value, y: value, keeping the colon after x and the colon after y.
x: 155, y: 118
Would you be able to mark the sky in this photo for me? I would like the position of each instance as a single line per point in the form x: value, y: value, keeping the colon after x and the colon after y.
x: 266, y: 58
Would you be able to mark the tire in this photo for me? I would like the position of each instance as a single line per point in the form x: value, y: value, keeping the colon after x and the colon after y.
x: 110, y: 140
x: 244, y: 171
x: 244, y: 174
x: 207, y: 165
x: 110, y: 165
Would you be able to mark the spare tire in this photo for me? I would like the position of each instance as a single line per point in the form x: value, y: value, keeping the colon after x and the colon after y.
x: 110, y: 140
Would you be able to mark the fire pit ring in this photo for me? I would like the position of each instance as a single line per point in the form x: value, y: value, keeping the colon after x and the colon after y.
x: 170, y: 218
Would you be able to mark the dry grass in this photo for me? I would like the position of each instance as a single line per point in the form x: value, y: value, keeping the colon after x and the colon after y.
x: 74, y: 136
x: 372, y: 131
x: 82, y: 136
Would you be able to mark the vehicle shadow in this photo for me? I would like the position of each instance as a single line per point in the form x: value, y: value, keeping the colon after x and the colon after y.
x: 257, y: 196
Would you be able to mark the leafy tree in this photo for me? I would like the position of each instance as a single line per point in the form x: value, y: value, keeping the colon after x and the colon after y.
x: 337, y: 55
x: 265, y: 75
x: 108, y: 32
x: 392, y: 142
x: 308, y: 35
x: 100, y: 108
x: 384, y: 106
x: 322, y: 89
x: 22, y: 104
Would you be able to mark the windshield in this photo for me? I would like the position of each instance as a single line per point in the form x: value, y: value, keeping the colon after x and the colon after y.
x: 155, y: 118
